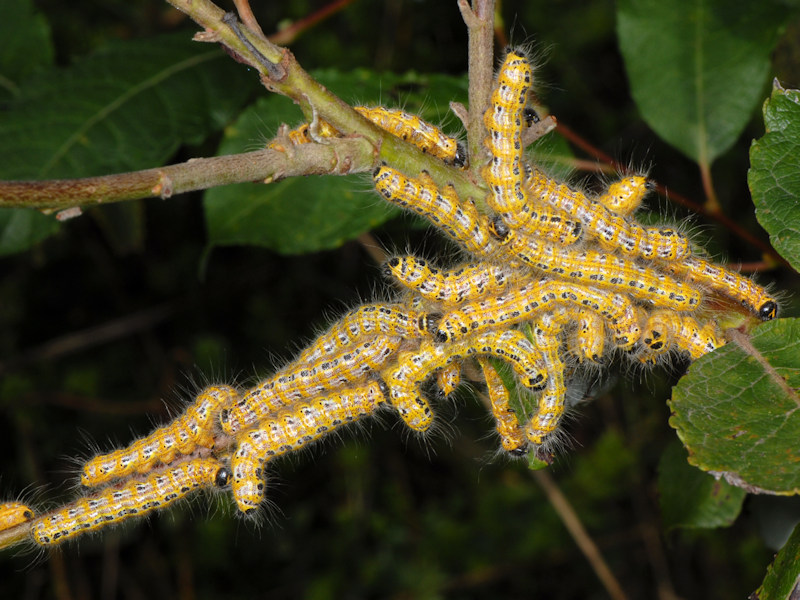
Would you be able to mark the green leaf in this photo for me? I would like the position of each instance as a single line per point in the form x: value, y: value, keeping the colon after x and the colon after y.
x: 22, y: 228
x: 738, y: 412
x: 26, y: 45
x: 774, y: 175
x: 782, y: 581
x: 691, y: 498
x: 126, y: 107
x: 307, y: 214
x: 697, y: 67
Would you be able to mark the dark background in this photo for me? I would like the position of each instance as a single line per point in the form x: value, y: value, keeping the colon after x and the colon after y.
x: 376, y: 512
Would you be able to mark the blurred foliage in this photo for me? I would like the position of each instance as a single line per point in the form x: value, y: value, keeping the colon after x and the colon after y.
x: 96, y: 335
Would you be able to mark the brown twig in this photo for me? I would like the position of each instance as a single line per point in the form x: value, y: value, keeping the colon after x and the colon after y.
x: 340, y: 156
x: 289, y: 34
x: 718, y: 216
x: 248, y: 18
x: 573, y: 524
x: 479, y: 22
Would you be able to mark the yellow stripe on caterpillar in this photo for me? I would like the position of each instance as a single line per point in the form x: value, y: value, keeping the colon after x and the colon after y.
x: 292, y: 428
x: 587, y: 342
x: 133, y: 499
x: 451, y: 286
x: 524, y: 302
x: 625, y: 196
x: 512, y: 436
x: 729, y: 283
x: 666, y: 331
x: 303, y: 380
x: 193, y: 429
x: 460, y: 221
x: 550, y: 404
x: 600, y: 270
x: 504, y: 121
x: 612, y: 231
x: 428, y: 138
x: 13, y: 514
x: 366, y: 322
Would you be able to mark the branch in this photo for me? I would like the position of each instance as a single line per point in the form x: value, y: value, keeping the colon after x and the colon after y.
x: 479, y: 23
x: 279, y: 72
x: 339, y: 157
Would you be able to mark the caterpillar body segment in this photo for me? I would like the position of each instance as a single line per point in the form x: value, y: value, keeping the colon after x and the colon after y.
x: 405, y: 378
x: 512, y: 436
x: 366, y: 322
x: 133, y: 499
x: 600, y: 270
x: 408, y: 127
x: 587, y: 342
x: 195, y: 428
x: 461, y: 221
x: 550, y: 404
x: 612, y: 231
x: 625, y: 196
x: 13, y: 514
x: 342, y: 370
x: 665, y: 331
x: 292, y: 428
x: 524, y: 302
x: 453, y: 286
x: 422, y: 134
x: 549, y: 224
x: 448, y: 378
x: 728, y: 283
x: 504, y: 121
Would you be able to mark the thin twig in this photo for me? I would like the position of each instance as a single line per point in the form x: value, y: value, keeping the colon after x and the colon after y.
x: 248, y: 18
x: 288, y: 35
x: 579, y: 534
x: 479, y: 21
x: 718, y: 216
x: 339, y: 157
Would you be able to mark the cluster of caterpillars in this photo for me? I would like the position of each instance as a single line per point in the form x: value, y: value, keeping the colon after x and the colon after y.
x: 554, y: 278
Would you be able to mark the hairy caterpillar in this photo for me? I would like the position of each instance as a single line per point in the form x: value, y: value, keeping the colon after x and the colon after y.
x: 522, y: 303
x: 512, y: 437
x: 193, y: 429
x: 588, y: 340
x: 307, y: 381
x: 453, y: 286
x: 729, y: 283
x: 413, y: 368
x: 623, y: 197
x: 665, y: 331
x: 292, y: 428
x: 448, y: 378
x: 408, y: 127
x: 612, y: 231
x: 503, y: 119
x: 550, y: 404
x: 13, y: 514
x: 606, y: 271
x: 459, y: 220
x: 134, y: 498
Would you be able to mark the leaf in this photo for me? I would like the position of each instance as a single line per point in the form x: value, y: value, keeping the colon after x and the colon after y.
x: 691, y: 498
x: 774, y: 175
x: 307, y: 214
x: 22, y: 228
x: 738, y: 412
x: 782, y: 581
x: 127, y: 107
x: 26, y: 45
x: 697, y: 68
